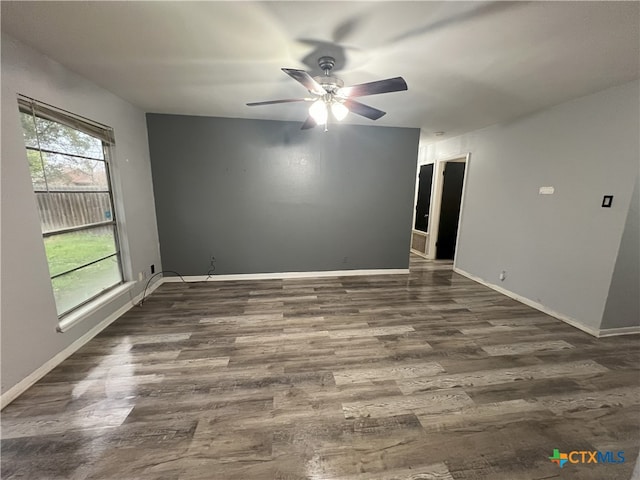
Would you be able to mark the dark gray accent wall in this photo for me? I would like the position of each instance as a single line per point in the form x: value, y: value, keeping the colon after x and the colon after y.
x: 264, y: 196
x: 623, y: 304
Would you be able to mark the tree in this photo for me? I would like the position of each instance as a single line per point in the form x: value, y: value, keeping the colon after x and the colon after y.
x: 59, y: 168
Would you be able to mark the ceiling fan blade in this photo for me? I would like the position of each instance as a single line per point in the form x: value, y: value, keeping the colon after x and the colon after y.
x: 395, y: 84
x: 286, y: 100
x: 308, y: 123
x: 364, y: 110
x: 305, y: 79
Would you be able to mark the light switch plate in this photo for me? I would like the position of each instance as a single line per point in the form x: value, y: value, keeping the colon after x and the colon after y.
x: 607, y: 201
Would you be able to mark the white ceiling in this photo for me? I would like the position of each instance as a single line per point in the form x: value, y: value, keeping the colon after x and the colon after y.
x: 467, y: 64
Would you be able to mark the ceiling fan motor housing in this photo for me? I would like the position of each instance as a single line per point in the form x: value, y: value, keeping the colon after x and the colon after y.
x: 330, y: 83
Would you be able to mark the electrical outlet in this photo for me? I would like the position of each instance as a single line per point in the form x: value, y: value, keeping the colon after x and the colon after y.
x: 503, y: 275
x: 140, y: 276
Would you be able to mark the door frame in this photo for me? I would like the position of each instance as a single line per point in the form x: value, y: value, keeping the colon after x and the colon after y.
x: 436, y: 201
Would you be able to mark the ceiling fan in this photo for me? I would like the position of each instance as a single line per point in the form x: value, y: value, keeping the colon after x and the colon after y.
x: 329, y: 94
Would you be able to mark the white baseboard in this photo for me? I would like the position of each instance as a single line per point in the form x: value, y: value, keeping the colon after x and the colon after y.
x: 611, y: 332
x: 19, y: 388
x: 283, y: 275
x: 538, y: 306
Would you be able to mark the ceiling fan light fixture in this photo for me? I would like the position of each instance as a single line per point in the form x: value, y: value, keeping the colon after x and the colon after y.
x: 329, y: 94
x: 318, y: 111
x: 339, y: 110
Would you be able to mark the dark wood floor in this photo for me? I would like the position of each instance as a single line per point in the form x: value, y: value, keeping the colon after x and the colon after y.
x: 425, y: 376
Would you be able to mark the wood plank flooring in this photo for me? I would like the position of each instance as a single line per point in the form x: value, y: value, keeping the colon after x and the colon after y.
x: 404, y: 377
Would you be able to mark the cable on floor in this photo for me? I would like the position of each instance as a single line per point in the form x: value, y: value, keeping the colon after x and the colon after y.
x: 144, y: 294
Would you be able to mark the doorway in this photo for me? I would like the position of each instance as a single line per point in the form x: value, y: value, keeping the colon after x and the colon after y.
x: 452, y: 185
x: 425, y: 178
x: 447, y: 206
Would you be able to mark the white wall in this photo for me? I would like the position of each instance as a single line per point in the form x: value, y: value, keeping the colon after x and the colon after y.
x: 623, y: 305
x: 559, y: 251
x: 29, y: 337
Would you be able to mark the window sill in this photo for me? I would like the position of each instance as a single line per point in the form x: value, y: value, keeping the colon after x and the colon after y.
x: 85, y: 311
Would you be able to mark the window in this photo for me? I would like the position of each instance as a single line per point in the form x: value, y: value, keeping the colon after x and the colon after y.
x: 69, y: 162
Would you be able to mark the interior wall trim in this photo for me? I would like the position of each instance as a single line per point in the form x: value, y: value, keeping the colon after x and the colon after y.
x: 23, y: 385
x: 436, y: 201
x: 283, y: 275
x: 538, y: 306
x: 612, y: 332
x: 76, y: 317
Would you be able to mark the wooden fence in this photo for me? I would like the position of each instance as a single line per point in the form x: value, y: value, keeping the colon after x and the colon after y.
x: 71, y: 209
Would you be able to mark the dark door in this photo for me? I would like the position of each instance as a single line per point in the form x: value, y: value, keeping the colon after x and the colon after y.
x: 450, y: 210
x: 424, y: 197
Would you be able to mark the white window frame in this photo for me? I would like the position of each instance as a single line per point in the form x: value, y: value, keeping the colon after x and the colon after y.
x: 105, y: 134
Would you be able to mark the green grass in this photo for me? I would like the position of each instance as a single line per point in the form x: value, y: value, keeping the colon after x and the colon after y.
x: 72, y: 250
